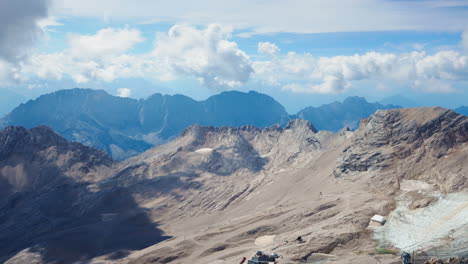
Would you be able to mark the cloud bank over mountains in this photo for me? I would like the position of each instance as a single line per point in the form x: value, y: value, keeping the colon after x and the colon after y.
x: 309, y: 74
x: 205, y: 54
x: 183, y: 52
x: 211, y: 56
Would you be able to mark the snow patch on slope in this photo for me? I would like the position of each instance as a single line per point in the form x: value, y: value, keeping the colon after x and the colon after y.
x: 440, y: 228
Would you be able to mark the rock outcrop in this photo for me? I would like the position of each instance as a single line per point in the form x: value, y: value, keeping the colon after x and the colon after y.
x: 410, y: 144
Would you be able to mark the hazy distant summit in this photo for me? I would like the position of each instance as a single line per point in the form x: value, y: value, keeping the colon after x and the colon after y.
x: 463, y: 110
x: 336, y: 115
x: 399, y: 100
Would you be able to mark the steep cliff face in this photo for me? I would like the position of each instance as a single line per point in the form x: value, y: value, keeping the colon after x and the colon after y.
x: 413, y: 143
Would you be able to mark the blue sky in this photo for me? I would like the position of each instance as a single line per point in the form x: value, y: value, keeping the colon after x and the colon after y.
x: 300, y: 52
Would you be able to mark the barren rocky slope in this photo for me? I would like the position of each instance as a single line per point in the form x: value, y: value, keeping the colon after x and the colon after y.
x: 224, y: 193
x: 323, y: 187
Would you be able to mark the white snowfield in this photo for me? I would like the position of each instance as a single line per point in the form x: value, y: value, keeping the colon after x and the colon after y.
x: 438, y: 229
x: 204, y: 150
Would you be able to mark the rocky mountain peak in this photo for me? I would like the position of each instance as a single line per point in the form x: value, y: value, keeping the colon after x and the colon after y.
x: 396, y: 126
x: 355, y: 100
x: 41, y: 152
x: 19, y: 139
x: 300, y: 124
x: 413, y: 137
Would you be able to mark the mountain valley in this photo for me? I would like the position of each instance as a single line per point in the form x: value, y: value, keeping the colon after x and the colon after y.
x: 217, y: 194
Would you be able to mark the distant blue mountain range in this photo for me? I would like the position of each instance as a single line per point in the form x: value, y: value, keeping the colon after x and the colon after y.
x: 337, y: 115
x: 463, y: 110
x: 124, y: 127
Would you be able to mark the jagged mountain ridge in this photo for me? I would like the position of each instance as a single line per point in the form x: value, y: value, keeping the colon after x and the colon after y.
x: 337, y: 115
x: 412, y: 144
x: 32, y: 159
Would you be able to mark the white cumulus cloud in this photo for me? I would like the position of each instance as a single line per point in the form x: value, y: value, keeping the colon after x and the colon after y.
x: 124, y: 92
x: 92, y: 57
x: 106, y: 42
x: 184, y: 52
x: 267, y: 48
x: 206, y: 54
x: 307, y: 74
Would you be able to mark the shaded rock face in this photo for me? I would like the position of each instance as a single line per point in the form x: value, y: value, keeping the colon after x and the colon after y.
x: 403, y: 136
x: 32, y: 159
x: 335, y: 116
x: 124, y: 127
x: 52, y: 207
